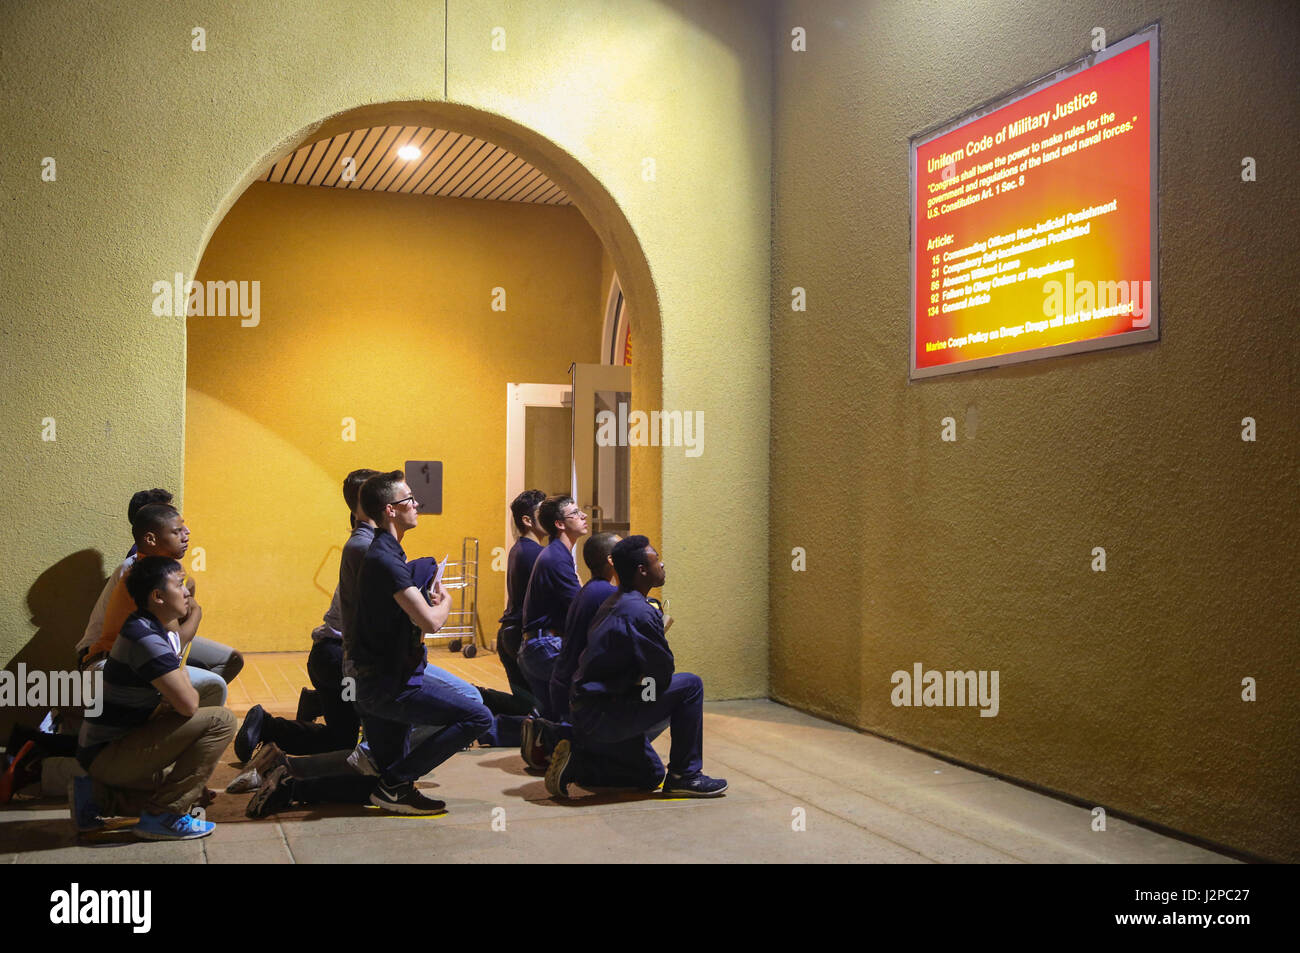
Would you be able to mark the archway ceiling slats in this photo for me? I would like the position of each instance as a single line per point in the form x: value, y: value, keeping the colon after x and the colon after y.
x: 450, y: 164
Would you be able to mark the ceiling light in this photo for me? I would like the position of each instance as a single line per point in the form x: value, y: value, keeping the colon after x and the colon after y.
x: 408, y: 152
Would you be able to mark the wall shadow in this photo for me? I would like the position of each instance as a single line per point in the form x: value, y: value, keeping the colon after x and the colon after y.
x: 60, y: 602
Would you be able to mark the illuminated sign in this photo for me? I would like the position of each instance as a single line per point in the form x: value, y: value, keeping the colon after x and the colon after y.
x: 1034, y: 219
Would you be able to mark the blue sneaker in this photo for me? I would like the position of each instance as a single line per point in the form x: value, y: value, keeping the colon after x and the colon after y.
x: 697, y: 785
x: 172, y: 827
x: 85, y: 812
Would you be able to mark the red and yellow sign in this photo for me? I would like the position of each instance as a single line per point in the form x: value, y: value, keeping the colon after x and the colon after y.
x: 1033, y: 225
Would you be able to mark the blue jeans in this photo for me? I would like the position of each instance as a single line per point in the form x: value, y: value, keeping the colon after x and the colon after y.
x: 505, y: 730
x: 440, y: 680
x: 508, y: 637
x: 611, y: 737
x: 537, y: 659
x: 210, y: 686
x: 393, y: 716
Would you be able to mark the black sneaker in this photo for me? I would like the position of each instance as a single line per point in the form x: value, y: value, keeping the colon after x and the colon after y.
x: 531, y: 748
x: 559, y: 775
x: 405, y: 799
x: 697, y: 785
x: 249, y: 735
x: 308, y: 706
x: 275, y: 794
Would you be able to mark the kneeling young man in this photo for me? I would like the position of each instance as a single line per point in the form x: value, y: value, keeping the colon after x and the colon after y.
x: 384, y: 642
x: 625, y: 692
x: 128, y: 747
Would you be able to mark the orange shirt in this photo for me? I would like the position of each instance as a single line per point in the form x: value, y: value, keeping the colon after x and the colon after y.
x: 119, y: 608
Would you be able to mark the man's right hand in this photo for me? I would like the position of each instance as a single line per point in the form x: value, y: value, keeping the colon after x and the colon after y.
x: 426, y: 617
x: 189, y: 626
x: 668, y: 622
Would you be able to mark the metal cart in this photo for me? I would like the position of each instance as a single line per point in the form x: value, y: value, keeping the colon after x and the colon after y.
x: 460, y: 579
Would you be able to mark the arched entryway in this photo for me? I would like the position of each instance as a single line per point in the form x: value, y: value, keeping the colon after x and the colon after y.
x: 280, y: 407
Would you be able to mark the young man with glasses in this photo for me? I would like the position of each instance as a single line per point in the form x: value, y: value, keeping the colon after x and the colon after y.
x: 551, y: 589
x: 385, y: 644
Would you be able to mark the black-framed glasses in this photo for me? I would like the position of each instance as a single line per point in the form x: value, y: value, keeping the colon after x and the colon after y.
x: 572, y: 516
x: 410, y: 499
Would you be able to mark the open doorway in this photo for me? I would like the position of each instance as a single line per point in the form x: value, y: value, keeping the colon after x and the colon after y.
x: 538, y: 419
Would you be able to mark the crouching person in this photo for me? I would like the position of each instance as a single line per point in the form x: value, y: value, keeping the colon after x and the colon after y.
x: 626, y: 692
x: 128, y: 747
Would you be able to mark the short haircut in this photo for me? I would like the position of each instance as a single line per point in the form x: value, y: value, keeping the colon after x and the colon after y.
x: 142, y: 498
x: 628, y: 554
x: 352, y: 486
x: 377, y: 493
x: 147, y: 575
x: 596, y: 551
x: 152, y: 519
x: 525, y: 504
x: 549, y: 513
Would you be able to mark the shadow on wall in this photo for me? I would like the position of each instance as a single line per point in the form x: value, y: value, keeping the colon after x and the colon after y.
x: 60, y: 601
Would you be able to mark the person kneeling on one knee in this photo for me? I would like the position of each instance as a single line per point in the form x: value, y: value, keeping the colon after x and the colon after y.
x: 626, y: 691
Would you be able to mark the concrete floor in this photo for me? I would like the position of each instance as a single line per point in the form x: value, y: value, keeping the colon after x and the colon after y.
x: 862, y: 800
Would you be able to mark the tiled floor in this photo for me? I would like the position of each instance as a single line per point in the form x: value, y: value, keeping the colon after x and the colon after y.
x: 802, y: 790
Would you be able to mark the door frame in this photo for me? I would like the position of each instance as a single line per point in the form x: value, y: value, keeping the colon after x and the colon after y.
x: 519, y: 397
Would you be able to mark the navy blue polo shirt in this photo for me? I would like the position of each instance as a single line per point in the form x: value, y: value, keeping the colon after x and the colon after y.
x: 625, y: 644
x: 551, y: 588
x: 584, y: 608
x: 519, y: 567
x: 384, y: 644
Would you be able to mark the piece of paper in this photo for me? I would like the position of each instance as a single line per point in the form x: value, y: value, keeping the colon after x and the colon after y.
x: 437, y: 577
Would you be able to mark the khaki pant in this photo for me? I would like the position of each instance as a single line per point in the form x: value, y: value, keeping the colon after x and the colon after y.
x: 131, y: 774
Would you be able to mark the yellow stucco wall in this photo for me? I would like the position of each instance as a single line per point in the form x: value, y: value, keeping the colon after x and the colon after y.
x: 1122, y: 688
x: 374, y: 309
x: 155, y: 142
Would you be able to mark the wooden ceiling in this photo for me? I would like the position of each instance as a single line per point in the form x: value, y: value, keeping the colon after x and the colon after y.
x: 450, y: 164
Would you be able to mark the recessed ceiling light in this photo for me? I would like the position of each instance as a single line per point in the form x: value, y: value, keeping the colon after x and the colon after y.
x: 408, y: 152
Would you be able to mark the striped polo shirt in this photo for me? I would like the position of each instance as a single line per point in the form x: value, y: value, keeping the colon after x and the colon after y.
x: 143, y: 651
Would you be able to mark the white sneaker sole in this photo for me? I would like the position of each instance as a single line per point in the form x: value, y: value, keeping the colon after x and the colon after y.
x: 682, y: 793
x: 150, y: 835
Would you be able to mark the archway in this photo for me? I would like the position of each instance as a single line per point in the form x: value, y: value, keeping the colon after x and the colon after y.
x: 266, y: 493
